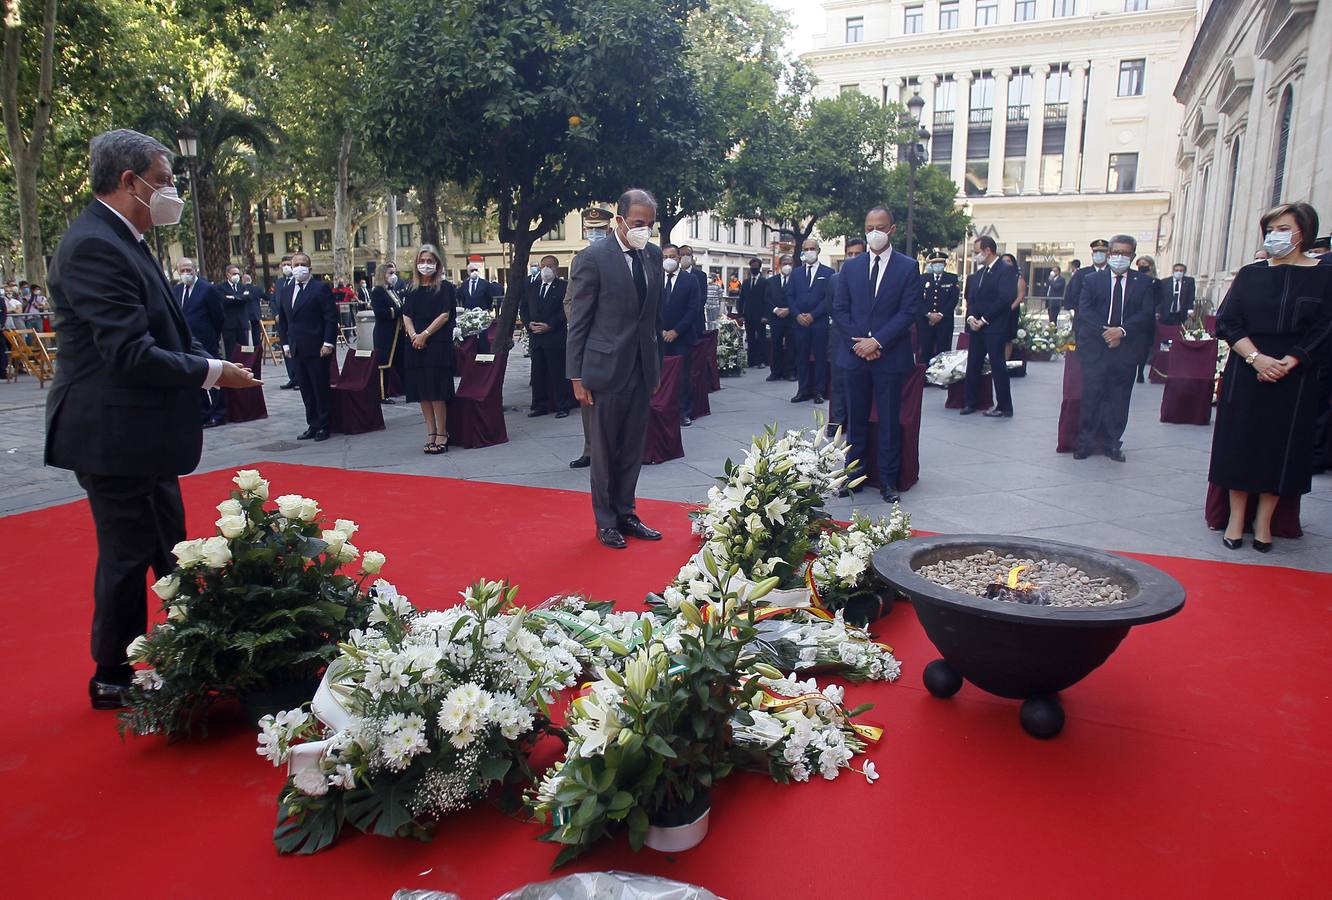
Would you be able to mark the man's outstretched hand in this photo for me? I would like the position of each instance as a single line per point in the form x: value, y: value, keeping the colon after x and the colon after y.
x: 234, y: 376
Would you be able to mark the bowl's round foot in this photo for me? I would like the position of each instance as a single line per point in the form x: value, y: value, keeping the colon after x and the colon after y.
x: 1042, y: 717
x: 941, y: 679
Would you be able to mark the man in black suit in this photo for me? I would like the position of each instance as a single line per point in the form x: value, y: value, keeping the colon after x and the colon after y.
x: 689, y: 267
x: 542, y: 311
x: 991, y: 290
x: 254, y: 311
x: 308, y: 331
x: 754, y: 313
x: 614, y: 358
x: 1114, y: 313
x: 237, y: 300
x: 680, y: 305
x: 202, y: 306
x: 123, y: 410
x: 390, y: 343
x: 939, y: 298
x: 474, y: 289
x: 281, y: 284
x: 1175, y: 296
x: 1053, y: 292
x: 780, y: 321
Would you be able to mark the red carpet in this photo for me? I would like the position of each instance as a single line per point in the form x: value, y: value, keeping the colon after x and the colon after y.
x: 1196, y: 762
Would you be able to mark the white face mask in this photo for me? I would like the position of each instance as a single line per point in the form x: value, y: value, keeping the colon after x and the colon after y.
x: 978, y: 258
x: 638, y: 237
x: 234, y: 279
x: 301, y: 273
x: 547, y: 274
x: 686, y: 261
x: 1119, y: 263
x: 876, y: 240
x: 809, y: 257
x: 786, y: 269
x: 1178, y: 276
x: 1279, y: 244
x: 286, y: 270
x: 1098, y: 258
x: 670, y: 265
x: 473, y: 273
x: 532, y: 270
x: 391, y: 278
x: 187, y: 277
x: 165, y: 206
x: 426, y: 269
x: 937, y: 268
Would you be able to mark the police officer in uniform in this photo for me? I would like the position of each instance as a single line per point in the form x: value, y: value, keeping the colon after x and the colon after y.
x: 939, y: 297
x: 1098, y: 269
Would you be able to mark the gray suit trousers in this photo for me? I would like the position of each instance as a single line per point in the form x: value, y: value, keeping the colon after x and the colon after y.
x: 618, y: 435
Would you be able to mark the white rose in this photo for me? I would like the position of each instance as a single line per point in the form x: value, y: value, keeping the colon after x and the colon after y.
x: 347, y: 527
x: 372, y: 562
x: 176, y: 614
x: 334, y: 539
x: 248, y: 480
x: 261, y: 491
x: 309, y: 509
x: 167, y: 587
x: 137, y: 647
x: 188, y: 553
x: 311, y: 782
x: 289, y: 506
x: 216, y: 552
x: 230, y: 508
x: 348, y: 553
x: 232, y: 526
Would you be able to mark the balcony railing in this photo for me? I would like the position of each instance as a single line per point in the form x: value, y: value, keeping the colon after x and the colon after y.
x: 943, y: 118
x: 1056, y: 112
x: 980, y: 116
x: 1019, y: 113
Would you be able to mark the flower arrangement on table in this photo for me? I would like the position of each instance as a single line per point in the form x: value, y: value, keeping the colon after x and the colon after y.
x: 473, y: 321
x: 730, y: 347
x: 949, y: 367
x: 258, y: 608
x: 841, y: 576
x: 1194, y: 329
x: 1038, y: 335
x: 419, y: 716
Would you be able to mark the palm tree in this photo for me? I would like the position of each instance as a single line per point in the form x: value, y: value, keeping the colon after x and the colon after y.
x: 228, y: 135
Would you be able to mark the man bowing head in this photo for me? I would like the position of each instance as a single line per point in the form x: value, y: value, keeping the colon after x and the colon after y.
x: 613, y: 358
x: 123, y: 411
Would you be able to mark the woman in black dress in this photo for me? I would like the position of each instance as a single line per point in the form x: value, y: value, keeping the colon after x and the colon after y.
x: 428, y: 314
x: 1147, y: 266
x: 1277, y: 318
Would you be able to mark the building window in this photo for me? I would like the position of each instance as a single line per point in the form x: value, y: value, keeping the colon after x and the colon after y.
x: 1052, y: 173
x: 323, y: 240
x: 945, y: 103
x: 977, y: 177
x: 987, y: 12
x: 1230, y: 201
x: 556, y: 233
x: 1014, y: 172
x: 914, y: 22
x: 266, y: 242
x: 1135, y: 5
x: 715, y: 228
x: 1019, y: 96
x: 982, y: 99
x: 293, y: 239
x: 405, y: 235
x: 1065, y: 8
x: 948, y: 14
x: 730, y: 232
x: 1024, y: 11
x: 1131, y: 73
x: 362, y: 235
x: 848, y: 89
x: 1123, y: 176
x: 1283, y: 142
x: 855, y: 29
x: 749, y: 234
x: 236, y: 245
x: 475, y: 234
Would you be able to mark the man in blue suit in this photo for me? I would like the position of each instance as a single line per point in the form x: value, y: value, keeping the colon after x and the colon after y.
x: 1115, y: 314
x: 877, y: 300
x: 681, y: 304
x: 991, y: 290
x: 308, y: 330
x: 202, y: 306
x: 809, y: 298
x: 837, y: 402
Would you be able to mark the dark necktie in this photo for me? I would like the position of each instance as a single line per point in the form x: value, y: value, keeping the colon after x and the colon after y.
x: 1174, y: 307
x: 1117, y: 302
x: 981, y: 280
x: 185, y: 298
x: 640, y: 279
x: 670, y: 284
x: 295, y: 292
x: 543, y: 291
x: 811, y: 275
x: 874, y: 275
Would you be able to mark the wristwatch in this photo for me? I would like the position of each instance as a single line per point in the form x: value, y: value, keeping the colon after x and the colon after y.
x: 1248, y: 360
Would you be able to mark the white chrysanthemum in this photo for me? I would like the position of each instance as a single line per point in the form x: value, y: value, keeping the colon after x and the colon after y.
x: 311, y: 782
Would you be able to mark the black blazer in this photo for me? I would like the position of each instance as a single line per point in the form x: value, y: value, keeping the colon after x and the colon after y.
x: 481, y: 299
x: 387, y: 315
x: 753, y: 301
x: 236, y: 302
x: 125, y: 399
x: 681, y: 308
x: 203, y: 313
x: 776, y: 299
x: 991, y: 298
x: 314, y: 322
x: 550, y: 309
x: 1165, y: 298
x: 1138, y: 317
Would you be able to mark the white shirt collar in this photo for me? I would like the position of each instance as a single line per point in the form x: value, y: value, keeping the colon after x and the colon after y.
x: 138, y: 235
x: 882, y: 254
x: 625, y: 248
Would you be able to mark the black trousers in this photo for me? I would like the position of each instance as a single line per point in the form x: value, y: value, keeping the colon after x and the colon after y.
x: 551, y: 391
x: 1107, y: 386
x: 138, y: 520
x: 756, y: 340
x: 686, y: 354
x: 811, y: 347
x: 934, y: 339
x: 1052, y: 307
x: 782, y: 347
x: 618, y: 435
x: 312, y: 378
x: 989, y: 342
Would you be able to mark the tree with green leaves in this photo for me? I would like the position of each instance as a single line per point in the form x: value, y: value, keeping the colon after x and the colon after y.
x: 940, y: 222
x: 25, y: 92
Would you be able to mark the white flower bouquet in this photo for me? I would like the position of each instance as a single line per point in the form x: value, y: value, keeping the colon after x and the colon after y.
x: 731, y: 356
x: 805, y: 640
x: 949, y: 367
x: 841, y: 575
x: 1037, y: 334
x: 473, y: 321
x: 419, y: 716
x: 794, y: 729
x: 255, y: 610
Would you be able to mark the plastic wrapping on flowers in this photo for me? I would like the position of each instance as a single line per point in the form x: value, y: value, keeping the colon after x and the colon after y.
x: 949, y: 367
x: 730, y: 348
x: 474, y: 321
x: 610, y: 886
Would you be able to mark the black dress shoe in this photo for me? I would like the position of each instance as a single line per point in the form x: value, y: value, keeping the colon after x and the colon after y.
x: 1080, y: 454
x: 321, y: 436
x: 831, y: 428
x: 773, y: 378
x: 562, y: 414
x: 998, y: 413
x: 1262, y: 546
x: 211, y: 424
x: 389, y: 401
x: 1117, y: 455
x: 634, y: 527
x: 306, y: 434
x: 535, y: 413
x: 286, y: 387
x: 791, y: 378
x: 685, y: 421
x: 819, y: 398
x: 800, y: 398
x: 1233, y: 543
x: 889, y: 495
x: 581, y: 462
x: 106, y: 695
x: 611, y: 538
x: 967, y: 410
x: 847, y: 492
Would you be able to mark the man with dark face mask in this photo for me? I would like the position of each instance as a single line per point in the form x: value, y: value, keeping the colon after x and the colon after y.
x: 754, y: 312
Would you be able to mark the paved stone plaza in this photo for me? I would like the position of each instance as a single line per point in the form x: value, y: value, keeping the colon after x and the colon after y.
x: 977, y: 474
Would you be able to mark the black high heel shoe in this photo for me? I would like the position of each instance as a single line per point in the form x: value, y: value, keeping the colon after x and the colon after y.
x: 1233, y: 543
x: 1262, y: 546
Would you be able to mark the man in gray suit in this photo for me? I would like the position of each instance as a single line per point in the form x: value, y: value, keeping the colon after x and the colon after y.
x: 614, y: 358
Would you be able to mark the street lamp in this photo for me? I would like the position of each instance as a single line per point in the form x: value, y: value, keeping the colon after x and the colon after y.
x: 917, y: 155
x: 188, y: 139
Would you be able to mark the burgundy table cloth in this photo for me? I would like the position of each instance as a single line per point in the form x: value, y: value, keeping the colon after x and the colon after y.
x: 1285, y: 518
x: 964, y: 339
x: 476, y: 412
x: 957, y: 393
x: 707, y: 344
x: 663, y: 429
x: 908, y: 472
x: 699, y: 378
x: 1070, y: 410
x: 1192, y: 376
x: 1209, y: 322
x: 246, y: 404
x: 463, y: 354
x: 1160, y: 366
x: 354, y: 400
